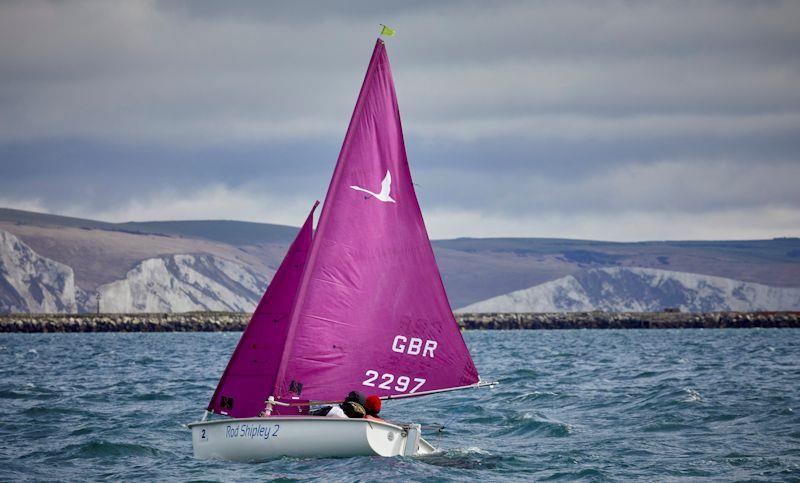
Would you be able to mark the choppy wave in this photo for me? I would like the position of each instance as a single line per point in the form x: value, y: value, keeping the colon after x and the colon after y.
x: 572, y: 405
x: 102, y: 448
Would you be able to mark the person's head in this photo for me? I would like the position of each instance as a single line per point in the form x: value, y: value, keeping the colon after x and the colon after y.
x: 355, y: 396
x: 373, y: 405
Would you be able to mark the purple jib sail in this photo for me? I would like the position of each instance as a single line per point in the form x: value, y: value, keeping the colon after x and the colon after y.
x: 250, y: 376
x: 371, y: 312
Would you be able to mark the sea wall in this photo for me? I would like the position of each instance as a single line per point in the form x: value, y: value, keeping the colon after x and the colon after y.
x: 182, y: 322
x: 628, y: 320
x: 226, y: 321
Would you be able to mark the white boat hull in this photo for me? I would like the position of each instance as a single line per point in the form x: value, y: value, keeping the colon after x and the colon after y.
x: 258, y: 439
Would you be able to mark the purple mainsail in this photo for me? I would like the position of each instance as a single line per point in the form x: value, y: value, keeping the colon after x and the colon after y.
x: 371, y: 311
x: 250, y: 375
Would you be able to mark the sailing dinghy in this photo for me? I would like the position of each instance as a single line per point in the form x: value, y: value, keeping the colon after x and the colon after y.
x: 357, y: 305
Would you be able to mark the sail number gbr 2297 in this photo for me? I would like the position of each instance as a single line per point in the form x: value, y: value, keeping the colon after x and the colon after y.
x: 411, y: 346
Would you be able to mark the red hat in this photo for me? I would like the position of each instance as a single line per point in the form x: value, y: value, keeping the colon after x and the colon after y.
x: 373, y: 405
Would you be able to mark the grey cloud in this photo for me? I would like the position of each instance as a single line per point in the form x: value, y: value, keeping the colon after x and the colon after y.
x: 679, y: 186
x: 565, y: 99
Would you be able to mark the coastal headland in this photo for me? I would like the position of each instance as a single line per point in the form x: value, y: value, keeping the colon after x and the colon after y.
x: 231, y: 322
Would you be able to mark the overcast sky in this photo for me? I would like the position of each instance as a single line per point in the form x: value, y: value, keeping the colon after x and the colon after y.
x: 583, y: 119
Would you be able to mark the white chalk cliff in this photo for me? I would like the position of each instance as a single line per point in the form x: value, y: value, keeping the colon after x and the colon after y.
x: 32, y: 283
x: 186, y: 282
x: 173, y: 283
x: 631, y: 289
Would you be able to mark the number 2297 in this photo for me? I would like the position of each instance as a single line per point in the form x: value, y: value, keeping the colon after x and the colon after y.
x: 402, y: 383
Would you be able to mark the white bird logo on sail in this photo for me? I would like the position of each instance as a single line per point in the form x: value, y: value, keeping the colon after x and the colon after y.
x: 386, y: 186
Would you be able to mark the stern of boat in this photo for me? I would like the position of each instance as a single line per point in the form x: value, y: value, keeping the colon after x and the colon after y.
x: 387, y: 441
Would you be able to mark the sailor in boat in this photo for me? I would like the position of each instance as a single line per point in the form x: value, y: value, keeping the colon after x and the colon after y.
x: 352, y: 407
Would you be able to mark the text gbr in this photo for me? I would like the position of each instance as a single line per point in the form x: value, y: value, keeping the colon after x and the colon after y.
x: 413, y: 346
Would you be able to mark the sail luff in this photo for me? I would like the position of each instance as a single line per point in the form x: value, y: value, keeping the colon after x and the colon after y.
x: 323, y: 219
x: 239, y: 391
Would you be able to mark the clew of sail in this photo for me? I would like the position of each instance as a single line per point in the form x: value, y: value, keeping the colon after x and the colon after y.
x: 371, y: 311
x: 250, y: 375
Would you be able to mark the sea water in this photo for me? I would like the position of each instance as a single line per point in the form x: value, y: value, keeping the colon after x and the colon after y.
x: 571, y: 405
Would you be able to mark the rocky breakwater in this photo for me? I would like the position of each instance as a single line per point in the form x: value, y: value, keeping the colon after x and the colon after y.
x: 183, y: 322
x: 231, y: 321
x: 628, y: 320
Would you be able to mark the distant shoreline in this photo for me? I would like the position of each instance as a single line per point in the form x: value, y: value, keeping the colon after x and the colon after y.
x: 232, y: 322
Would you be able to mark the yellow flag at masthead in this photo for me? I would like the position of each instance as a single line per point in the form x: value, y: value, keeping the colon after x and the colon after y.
x: 387, y: 31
